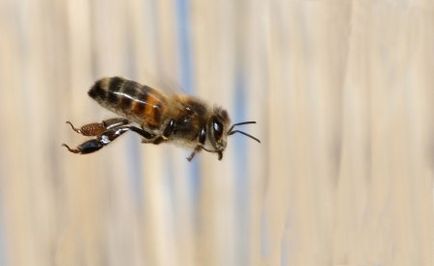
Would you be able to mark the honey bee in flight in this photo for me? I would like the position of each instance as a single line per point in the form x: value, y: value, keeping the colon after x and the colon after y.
x: 162, y: 118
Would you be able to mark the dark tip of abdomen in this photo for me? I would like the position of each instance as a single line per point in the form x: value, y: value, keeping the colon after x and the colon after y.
x: 97, y: 91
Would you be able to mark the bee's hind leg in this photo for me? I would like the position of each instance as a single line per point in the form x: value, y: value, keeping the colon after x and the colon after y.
x: 86, y: 147
x: 107, y: 136
x: 102, y: 140
x: 96, y: 129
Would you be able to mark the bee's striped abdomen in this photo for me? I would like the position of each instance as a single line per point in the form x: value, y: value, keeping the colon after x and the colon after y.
x: 140, y: 103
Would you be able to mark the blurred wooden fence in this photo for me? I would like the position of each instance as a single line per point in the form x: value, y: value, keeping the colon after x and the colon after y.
x: 343, y: 92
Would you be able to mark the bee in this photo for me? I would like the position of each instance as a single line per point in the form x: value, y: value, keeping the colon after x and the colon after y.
x: 161, y: 117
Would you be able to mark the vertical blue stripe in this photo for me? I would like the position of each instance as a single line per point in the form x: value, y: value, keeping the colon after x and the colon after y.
x: 184, y: 40
x: 186, y: 72
x: 135, y: 172
x: 239, y: 141
x: 241, y: 179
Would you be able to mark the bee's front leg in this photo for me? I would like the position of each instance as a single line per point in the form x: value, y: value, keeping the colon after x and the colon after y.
x: 198, y: 148
x: 193, y: 153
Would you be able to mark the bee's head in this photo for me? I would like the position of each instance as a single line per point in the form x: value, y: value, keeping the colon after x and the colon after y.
x: 218, y: 129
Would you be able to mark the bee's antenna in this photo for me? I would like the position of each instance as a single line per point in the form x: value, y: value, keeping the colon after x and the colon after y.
x: 244, y: 133
x: 239, y: 124
x: 231, y: 130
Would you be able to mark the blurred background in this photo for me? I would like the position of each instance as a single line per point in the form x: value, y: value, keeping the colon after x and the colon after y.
x: 342, y: 92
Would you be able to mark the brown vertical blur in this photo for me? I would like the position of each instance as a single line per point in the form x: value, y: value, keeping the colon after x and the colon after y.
x: 343, y: 93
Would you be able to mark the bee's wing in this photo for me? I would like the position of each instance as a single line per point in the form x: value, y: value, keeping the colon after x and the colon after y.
x: 165, y: 83
x: 176, y: 104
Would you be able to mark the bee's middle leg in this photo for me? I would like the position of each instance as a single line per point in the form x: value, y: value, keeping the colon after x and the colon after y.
x: 147, y: 136
x: 156, y: 140
x: 167, y: 132
x: 160, y: 138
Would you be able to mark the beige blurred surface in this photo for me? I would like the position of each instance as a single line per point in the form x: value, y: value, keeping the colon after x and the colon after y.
x: 343, y: 92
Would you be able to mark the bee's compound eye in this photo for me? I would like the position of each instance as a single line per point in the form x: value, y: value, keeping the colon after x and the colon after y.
x: 218, y: 129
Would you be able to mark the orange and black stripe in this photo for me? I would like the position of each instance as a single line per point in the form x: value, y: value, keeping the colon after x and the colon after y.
x: 141, y: 103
